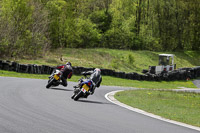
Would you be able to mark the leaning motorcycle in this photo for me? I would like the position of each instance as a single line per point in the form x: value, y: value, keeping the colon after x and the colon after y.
x: 54, y: 79
x: 83, y: 89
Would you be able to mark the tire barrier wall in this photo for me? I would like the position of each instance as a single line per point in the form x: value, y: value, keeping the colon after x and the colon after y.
x: 179, y: 74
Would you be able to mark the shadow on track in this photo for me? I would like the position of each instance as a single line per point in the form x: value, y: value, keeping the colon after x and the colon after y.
x: 60, y: 89
x: 89, y: 101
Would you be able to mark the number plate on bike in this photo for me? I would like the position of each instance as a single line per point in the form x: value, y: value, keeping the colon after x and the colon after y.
x: 86, y: 87
x: 56, y: 77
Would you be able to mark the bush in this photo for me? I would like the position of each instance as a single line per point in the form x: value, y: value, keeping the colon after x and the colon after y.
x: 131, y: 59
x: 86, y: 34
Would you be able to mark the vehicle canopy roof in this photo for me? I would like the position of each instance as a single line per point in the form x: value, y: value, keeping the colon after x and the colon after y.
x: 171, y: 55
x: 164, y: 59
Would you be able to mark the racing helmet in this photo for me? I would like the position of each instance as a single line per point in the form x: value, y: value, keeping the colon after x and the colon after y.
x: 69, y: 63
x: 97, y: 70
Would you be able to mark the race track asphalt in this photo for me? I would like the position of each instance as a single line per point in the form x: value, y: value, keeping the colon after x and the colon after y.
x: 26, y: 106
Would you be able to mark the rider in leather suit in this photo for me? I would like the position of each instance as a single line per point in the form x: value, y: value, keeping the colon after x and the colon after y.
x: 95, y: 77
x: 66, y: 72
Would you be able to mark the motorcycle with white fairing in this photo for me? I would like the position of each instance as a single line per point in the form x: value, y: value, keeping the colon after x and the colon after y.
x: 54, y: 79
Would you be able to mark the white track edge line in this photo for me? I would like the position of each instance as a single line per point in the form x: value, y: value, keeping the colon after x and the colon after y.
x: 110, y: 97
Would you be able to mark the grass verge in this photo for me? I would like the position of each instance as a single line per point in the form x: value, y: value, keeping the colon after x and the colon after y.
x: 112, y: 81
x: 118, y: 60
x: 179, y: 106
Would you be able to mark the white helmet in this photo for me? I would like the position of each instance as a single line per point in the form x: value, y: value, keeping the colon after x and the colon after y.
x: 97, y: 70
x: 69, y: 63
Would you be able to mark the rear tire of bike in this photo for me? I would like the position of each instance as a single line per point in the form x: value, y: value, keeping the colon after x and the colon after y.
x: 72, y: 97
x: 78, y: 96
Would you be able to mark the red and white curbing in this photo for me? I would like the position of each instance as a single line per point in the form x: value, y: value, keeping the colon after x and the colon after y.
x: 110, y: 97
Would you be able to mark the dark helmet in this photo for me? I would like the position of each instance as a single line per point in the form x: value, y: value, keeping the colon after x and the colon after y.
x: 69, y: 63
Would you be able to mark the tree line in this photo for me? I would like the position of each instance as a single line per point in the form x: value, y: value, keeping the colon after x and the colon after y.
x: 32, y: 27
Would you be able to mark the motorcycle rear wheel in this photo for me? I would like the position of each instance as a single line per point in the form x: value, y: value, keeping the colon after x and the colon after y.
x: 78, y: 96
x: 50, y: 83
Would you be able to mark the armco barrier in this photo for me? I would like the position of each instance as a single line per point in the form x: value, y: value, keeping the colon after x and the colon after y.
x: 179, y: 74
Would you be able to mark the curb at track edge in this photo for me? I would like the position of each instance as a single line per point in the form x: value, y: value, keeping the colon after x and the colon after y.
x: 110, y: 97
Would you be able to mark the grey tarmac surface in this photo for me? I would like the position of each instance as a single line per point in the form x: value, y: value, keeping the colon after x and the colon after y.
x: 26, y: 106
x: 197, y: 83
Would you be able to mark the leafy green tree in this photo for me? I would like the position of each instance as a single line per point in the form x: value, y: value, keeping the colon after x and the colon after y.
x: 23, y: 28
x: 57, y: 19
x: 16, y: 15
x: 30, y: 27
x: 86, y: 35
x: 39, y: 38
x: 102, y: 19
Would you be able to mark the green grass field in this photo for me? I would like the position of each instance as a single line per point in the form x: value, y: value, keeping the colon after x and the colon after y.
x: 179, y: 106
x: 118, y: 60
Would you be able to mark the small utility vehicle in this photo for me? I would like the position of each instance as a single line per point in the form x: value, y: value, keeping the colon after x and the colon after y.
x: 165, y: 64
